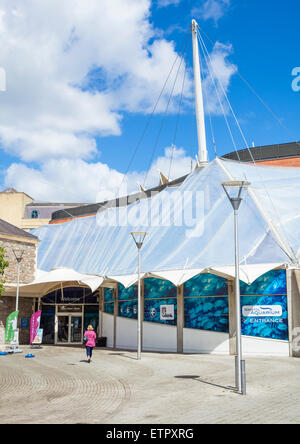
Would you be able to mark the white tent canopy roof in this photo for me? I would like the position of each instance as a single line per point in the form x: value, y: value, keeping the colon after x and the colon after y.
x: 45, y: 281
x: 190, y: 229
x: 126, y: 281
x: 248, y: 273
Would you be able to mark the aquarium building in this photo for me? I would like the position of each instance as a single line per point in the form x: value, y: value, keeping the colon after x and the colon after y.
x: 87, y: 267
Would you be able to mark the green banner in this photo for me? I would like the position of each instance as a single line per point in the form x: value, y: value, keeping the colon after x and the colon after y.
x: 11, y: 326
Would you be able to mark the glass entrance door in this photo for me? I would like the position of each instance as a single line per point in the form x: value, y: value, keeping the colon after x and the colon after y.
x: 76, y: 329
x: 63, y: 330
x: 69, y: 329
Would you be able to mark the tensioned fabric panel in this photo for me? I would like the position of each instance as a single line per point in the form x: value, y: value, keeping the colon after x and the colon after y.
x: 278, y: 191
x: 188, y: 227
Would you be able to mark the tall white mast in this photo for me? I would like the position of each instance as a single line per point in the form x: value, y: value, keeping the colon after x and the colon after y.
x: 203, y: 154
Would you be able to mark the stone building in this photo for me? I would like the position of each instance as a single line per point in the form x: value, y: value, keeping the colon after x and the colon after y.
x: 18, y: 243
x: 21, y: 210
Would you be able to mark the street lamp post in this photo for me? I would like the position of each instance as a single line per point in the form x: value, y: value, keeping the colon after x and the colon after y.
x: 19, y: 260
x: 139, y: 238
x: 234, y: 191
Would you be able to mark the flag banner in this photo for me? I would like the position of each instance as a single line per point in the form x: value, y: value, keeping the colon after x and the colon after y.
x: 2, y: 337
x: 35, y: 325
x: 11, y: 326
x: 15, y: 341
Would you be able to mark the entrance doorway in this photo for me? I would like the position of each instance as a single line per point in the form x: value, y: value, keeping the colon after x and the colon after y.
x: 66, y: 314
x: 69, y: 329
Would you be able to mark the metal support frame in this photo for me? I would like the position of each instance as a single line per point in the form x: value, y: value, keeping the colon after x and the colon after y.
x: 15, y: 346
x: 139, y: 327
x: 180, y: 318
x: 241, y: 375
x: 234, y: 190
x: 139, y: 238
x: 203, y: 155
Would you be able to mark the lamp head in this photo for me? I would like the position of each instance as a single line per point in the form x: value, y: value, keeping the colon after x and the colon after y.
x: 19, y: 256
x: 235, y: 192
x: 139, y: 237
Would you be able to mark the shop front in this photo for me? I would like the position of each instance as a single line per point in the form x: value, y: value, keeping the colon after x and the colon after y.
x: 66, y: 313
x: 202, y: 315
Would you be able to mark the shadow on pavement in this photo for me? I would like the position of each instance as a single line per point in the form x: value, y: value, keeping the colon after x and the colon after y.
x: 202, y: 381
x: 123, y: 355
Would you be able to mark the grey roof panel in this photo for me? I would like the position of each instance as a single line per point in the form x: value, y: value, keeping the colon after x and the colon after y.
x: 92, y: 209
x: 10, y: 230
x: 269, y: 152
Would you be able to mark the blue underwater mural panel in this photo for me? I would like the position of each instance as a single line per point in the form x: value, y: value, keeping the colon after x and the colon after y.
x: 128, y: 301
x: 159, y: 292
x: 109, y: 300
x: 108, y: 294
x: 267, y: 295
x: 109, y: 307
x: 125, y: 294
x: 152, y: 310
x: 128, y: 309
x: 159, y: 288
x: 263, y: 326
x: 206, y: 285
x: 210, y: 314
x: 263, y: 304
x: 206, y: 303
x: 271, y: 283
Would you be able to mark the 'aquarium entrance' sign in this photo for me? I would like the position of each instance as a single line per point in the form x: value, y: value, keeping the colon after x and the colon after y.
x: 261, y: 311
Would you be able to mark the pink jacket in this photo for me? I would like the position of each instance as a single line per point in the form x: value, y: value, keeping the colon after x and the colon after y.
x: 91, y: 338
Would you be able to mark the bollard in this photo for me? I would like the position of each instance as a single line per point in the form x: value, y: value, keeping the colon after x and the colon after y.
x: 236, y: 372
x: 243, y: 378
x: 243, y: 372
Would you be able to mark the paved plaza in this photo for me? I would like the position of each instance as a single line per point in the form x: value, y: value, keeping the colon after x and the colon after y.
x: 58, y: 386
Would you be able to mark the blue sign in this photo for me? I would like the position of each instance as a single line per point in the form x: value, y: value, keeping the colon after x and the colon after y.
x: 25, y: 323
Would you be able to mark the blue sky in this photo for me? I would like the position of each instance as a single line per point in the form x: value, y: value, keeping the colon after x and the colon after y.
x: 80, y: 91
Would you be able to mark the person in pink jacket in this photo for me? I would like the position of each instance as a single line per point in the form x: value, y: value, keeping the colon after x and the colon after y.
x: 90, y: 343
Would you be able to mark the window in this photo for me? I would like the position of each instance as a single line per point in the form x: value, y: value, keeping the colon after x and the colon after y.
x: 34, y: 214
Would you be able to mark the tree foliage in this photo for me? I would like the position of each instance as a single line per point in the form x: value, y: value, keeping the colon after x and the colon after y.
x: 3, y: 265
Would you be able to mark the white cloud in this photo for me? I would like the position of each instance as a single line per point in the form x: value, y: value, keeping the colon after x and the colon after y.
x: 212, y: 10
x: 222, y: 71
x: 50, y: 48
x: 64, y: 180
x: 165, y: 3
x: 75, y: 180
x: 53, y: 51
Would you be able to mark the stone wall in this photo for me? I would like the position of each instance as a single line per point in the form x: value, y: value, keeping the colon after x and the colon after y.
x: 27, y: 275
x: 26, y: 308
x: 28, y: 264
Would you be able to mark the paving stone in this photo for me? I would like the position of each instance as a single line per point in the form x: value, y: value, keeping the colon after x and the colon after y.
x: 58, y: 386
